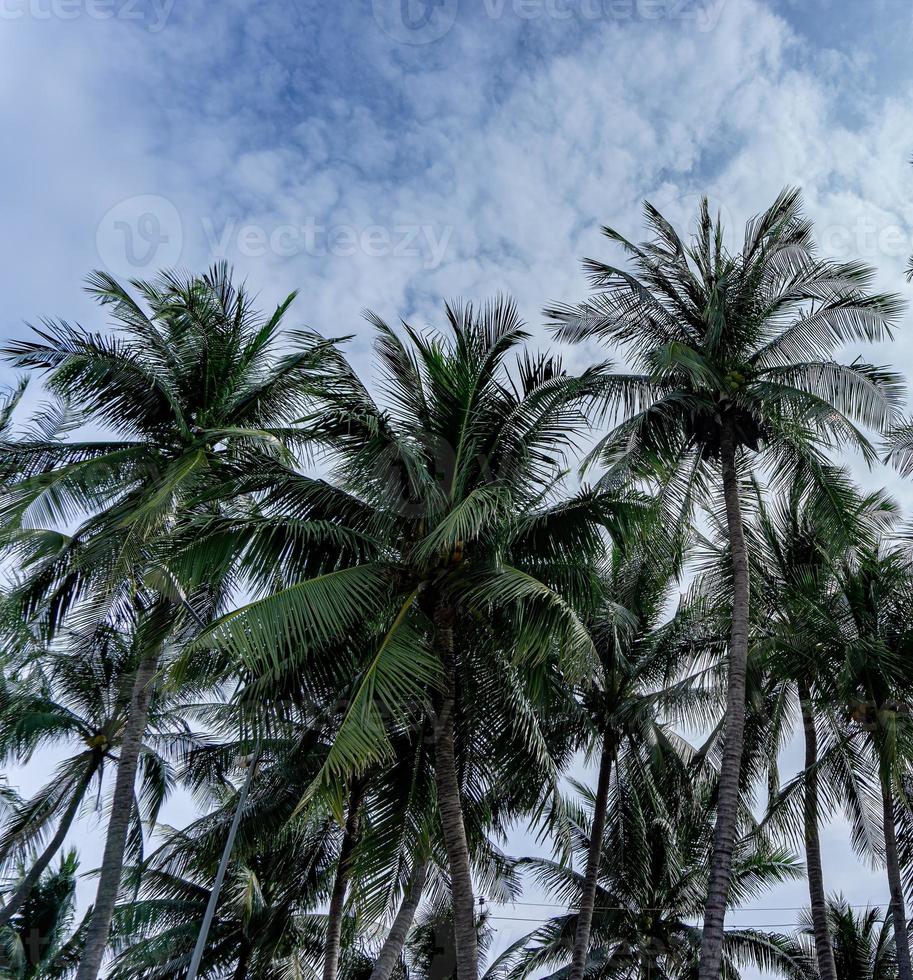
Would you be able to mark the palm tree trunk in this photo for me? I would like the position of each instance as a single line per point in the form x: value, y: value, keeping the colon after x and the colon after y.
x: 892, y: 862
x: 343, y: 872
x: 396, y: 938
x: 112, y: 864
x: 593, y: 859
x: 24, y: 888
x: 734, y: 724
x: 243, y: 959
x: 209, y: 915
x: 827, y: 969
x: 451, y: 809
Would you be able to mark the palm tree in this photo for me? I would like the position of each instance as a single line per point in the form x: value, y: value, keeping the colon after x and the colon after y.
x: 429, y: 950
x: 33, y: 944
x: 638, y: 664
x: 732, y: 372
x: 267, y: 919
x: 515, y: 737
x: 190, y: 393
x: 393, y: 847
x: 797, y: 549
x: 395, y: 942
x: 874, y: 628
x: 281, y: 868
x: 385, y: 820
x: 73, y: 695
x: 451, y: 486
x: 289, y: 866
x: 863, y: 942
x: 652, y: 882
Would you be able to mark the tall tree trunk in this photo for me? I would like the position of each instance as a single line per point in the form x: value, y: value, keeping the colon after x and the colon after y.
x: 112, y: 864
x: 734, y: 725
x: 213, y: 902
x: 824, y: 950
x: 593, y: 859
x: 392, y: 949
x: 243, y: 959
x: 24, y: 888
x: 343, y: 872
x: 892, y: 863
x: 450, y: 807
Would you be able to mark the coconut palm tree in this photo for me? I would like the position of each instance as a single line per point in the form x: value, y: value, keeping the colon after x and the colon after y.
x: 393, y: 849
x: 389, y: 956
x: 429, y: 950
x: 73, y: 695
x: 641, y: 664
x: 451, y: 481
x: 796, y: 550
x: 652, y: 882
x: 189, y: 392
x: 297, y: 859
x: 863, y: 941
x: 34, y: 942
x: 874, y: 627
x: 732, y: 373
x: 513, y: 741
x: 267, y: 918
x: 282, y: 867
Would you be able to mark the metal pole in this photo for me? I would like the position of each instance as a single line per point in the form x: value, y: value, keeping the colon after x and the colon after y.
x: 223, y: 867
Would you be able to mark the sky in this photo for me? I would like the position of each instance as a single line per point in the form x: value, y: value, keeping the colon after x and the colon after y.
x: 391, y: 154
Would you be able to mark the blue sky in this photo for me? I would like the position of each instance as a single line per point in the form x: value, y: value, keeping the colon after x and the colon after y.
x: 388, y: 155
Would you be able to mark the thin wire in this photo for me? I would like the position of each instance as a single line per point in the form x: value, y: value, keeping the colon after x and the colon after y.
x: 733, y: 928
x: 624, y: 908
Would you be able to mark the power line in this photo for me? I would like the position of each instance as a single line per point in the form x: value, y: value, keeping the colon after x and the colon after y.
x: 733, y: 928
x: 624, y: 908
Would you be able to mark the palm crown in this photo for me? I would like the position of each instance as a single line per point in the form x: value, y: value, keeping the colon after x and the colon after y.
x: 448, y: 496
x: 74, y: 696
x: 190, y: 390
x: 743, y: 339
